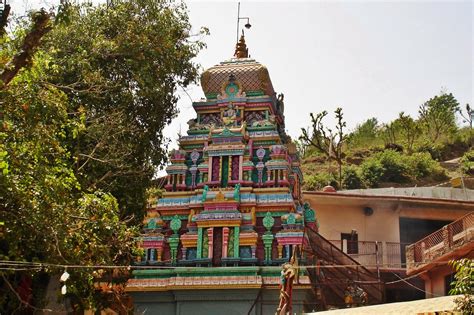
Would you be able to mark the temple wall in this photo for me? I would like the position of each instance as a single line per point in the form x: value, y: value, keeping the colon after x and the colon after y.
x: 212, y: 302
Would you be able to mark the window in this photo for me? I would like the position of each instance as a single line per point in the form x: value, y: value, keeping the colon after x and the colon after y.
x: 349, y: 242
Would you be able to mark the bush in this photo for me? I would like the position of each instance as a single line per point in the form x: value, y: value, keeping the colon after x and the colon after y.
x: 371, y: 172
x: 467, y: 162
x: 318, y: 181
x: 351, y: 178
x: 394, y: 165
x: 422, y: 165
x: 434, y: 150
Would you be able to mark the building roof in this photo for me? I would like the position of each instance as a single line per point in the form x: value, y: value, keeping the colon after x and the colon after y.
x: 419, y: 192
x: 419, y: 307
x: 359, y: 198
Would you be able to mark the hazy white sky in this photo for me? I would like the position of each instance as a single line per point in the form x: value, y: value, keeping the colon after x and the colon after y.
x: 372, y: 58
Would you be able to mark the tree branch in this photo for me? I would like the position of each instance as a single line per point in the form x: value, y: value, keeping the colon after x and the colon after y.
x: 41, y: 26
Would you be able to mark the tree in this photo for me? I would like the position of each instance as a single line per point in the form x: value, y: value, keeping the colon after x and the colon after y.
x: 120, y: 67
x: 463, y: 284
x: 364, y: 133
x: 81, y: 124
x: 468, y: 116
x: 326, y: 140
x: 390, y: 133
x: 409, y: 129
x: 438, y: 115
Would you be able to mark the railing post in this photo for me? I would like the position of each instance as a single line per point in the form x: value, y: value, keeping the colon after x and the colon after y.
x: 377, y: 259
x: 410, y: 256
x: 385, y: 260
x: 447, y: 238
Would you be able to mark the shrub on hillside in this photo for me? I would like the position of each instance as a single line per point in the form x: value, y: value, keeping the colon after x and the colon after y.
x: 394, y: 166
x: 421, y: 165
x: 351, y: 178
x: 434, y: 150
x: 371, y: 172
x: 319, y: 181
x: 467, y: 162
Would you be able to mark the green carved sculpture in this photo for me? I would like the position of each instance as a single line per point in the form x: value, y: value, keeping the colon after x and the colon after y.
x: 309, y: 214
x: 237, y: 192
x: 204, y: 193
x: 175, y: 224
x: 268, y: 221
x: 151, y: 224
x: 291, y: 219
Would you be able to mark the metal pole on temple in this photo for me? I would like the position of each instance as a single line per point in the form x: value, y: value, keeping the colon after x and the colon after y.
x: 247, y: 25
x: 238, y: 22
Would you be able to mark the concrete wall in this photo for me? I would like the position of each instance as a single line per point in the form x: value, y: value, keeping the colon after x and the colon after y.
x: 435, y: 281
x: 334, y: 219
x: 212, y: 302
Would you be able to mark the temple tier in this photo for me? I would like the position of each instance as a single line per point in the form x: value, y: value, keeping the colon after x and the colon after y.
x: 233, y: 189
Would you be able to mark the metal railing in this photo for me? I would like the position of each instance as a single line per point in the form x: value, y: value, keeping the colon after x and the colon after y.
x: 374, y: 254
x: 443, y: 241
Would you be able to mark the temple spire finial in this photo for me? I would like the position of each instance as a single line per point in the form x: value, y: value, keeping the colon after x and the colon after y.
x: 241, y: 50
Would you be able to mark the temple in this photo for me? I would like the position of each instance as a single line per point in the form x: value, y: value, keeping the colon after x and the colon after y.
x: 232, y: 212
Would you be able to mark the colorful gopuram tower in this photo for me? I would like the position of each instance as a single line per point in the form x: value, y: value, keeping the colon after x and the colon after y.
x: 232, y: 212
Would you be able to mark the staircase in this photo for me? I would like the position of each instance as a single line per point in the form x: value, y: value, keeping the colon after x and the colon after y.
x: 332, y: 271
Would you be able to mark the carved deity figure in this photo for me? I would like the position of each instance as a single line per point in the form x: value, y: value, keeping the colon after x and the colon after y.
x: 204, y: 193
x: 237, y: 192
x: 288, y: 273
x: 229, y: 116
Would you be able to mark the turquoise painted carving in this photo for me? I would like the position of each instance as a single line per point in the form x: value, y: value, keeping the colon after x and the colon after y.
x: 231, y: 90
x: 199, y: 243
x: 204, y: 193
x: 152, y: 224
x: 237, y: 192
x: 175, y: 224
x: 267, y: 243
x: 174, y: 242
x: 291, y: 219
x: 268, y: 221
x: 309, y: 214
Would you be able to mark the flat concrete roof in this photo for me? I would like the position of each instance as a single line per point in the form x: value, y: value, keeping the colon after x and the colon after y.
x: 438, y: 304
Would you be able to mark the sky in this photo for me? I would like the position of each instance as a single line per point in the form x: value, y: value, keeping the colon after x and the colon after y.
x: 372, y: 58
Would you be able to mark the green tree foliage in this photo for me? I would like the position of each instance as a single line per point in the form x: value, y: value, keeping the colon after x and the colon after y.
x: 393, y: 166
x: 351, y: 178
x: 325, y: 140
x: 319, y: 181
x: 364, y: 133
x: 410, y: 130
x: 438, y: 115
x: 122, y: 66
x: 467, y: 162
x: 463, y: 284
x: 81, y: 135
